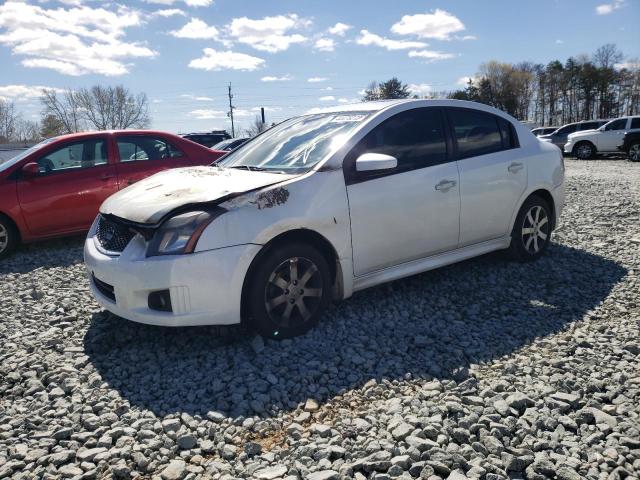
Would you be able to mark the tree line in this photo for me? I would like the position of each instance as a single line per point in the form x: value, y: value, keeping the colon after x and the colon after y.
x: 70, y: 111
x: 582, y: 88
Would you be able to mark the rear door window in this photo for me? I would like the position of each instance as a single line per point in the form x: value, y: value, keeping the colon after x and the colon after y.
x: 635, y: 122
x: 477, y: 133
x: 133, y: 148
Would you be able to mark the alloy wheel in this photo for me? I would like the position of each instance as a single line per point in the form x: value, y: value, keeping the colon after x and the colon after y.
x: 535, y: 229
x: 634, y: 152
x: 584, y: 151
x: 293, y: 292
x: 4, y: 238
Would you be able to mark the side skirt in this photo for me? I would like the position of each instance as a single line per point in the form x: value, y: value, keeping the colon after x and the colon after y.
x: 429, y: 263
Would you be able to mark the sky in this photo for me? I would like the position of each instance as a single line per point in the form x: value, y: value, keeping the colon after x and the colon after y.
x: 288, y: 56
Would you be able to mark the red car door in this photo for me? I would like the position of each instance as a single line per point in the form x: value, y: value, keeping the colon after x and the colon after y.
x: 74, y: 179
x: 142, y: 155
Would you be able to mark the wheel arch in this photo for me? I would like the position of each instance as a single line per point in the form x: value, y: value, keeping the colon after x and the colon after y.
x: 586, y: 140
x: 545, y: 194
x: 303, y: 235
x: 13, y: 223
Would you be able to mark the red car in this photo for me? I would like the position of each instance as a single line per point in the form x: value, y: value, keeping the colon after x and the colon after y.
x: 56, y: 187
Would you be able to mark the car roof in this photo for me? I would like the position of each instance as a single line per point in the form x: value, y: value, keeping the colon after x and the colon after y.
x: 111, y: 132
x: 379, y: 105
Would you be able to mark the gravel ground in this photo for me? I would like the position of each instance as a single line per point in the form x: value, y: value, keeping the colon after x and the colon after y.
x: 485, y: 369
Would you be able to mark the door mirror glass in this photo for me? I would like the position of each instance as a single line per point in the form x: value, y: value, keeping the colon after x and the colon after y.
x: 30, y: 170
x: 368, y: 162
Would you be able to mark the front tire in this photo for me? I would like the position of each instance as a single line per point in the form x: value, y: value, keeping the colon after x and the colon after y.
x: 289, y: 291
x: 531, y: 232
x: 584, y: 151
x: 9, y: 237
x: 634, y: 152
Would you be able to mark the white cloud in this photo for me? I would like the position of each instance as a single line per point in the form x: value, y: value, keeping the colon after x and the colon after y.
x: 344, y: 100
x: 439, y: 25
x: 430, y: 55
x: 194, y: 97
x: 227, y: 60
x: 157, y: 100
x: 197, y: 29
x: 339, y: 29
x: 464, y: 81
x: 169, y: 12
x: 269, y: 34
x: 206, y: 114
x: 630, y: 65
x: 327, y: 98
x: 317, y: 79
x: 420, y: 88
x: 325, y: 45
x: 559, y: 42
x: 283, y: 78
x: 74, y: 41
x: 23, y: 92
x: 328, y: 89
x: 368, y: 38
x: 607, y: 8
x: 189, y: 3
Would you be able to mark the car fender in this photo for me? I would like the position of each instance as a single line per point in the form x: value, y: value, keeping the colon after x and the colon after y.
x: 316, y: 202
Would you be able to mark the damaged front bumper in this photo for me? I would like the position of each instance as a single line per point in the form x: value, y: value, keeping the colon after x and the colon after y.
x: 202, y: 288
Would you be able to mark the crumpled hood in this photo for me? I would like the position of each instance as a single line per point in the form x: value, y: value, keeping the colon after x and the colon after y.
x: 149, y: 200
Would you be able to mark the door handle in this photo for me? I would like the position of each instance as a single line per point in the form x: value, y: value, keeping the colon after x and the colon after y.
x: 445, y: 185
x: 515, y: 167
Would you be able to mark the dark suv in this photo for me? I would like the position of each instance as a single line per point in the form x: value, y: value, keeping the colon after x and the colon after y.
x: 631, y: 145
x: 208, y: 139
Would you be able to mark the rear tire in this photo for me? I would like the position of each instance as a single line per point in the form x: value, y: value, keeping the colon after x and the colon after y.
x: 584, y: 150
x: 289, y: 291
x: 9, y: 237
x: 634, y: 152
x: 531, y: 232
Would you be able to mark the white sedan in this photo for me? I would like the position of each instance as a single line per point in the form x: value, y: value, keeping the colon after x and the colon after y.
x: 320, y: 206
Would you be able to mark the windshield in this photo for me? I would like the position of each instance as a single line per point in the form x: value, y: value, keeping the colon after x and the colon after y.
x: 223, y: 144
x: 296, y: 145
x: 13, y: 160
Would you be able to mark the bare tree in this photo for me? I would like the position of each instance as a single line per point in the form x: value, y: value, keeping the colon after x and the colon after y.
x: 258, y: 126
x: 51, y: 126
x: 98, y: 108
x: 8, y: 120
x: 110, y: 108
x: 27, y: 131
x: 65, y: 107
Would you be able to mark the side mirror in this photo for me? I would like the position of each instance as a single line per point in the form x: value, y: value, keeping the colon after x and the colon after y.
x: 369, y: 162
x: 30, y: 170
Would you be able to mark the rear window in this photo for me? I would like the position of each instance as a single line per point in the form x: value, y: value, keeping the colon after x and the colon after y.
x: 635, y: 122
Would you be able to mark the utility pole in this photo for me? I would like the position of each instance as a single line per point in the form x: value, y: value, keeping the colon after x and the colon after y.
x: 262, y: 114
x: 230, y: 113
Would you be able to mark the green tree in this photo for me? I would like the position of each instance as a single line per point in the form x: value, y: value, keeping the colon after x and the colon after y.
x: 391, y: 89
x: 51, y: 126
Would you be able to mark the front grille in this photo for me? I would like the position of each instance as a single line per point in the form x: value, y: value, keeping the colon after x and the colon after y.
x: 113, y: 236
x: 104, y: 288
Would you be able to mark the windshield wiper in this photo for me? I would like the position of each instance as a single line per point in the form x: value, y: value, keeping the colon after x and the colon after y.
x: 249, y: 167
x: 258, y: 169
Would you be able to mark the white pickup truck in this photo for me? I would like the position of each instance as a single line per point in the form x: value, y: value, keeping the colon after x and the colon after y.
x: 606, y: 139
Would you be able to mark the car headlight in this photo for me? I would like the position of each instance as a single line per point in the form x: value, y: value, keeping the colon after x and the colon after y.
x: 179, y: 234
